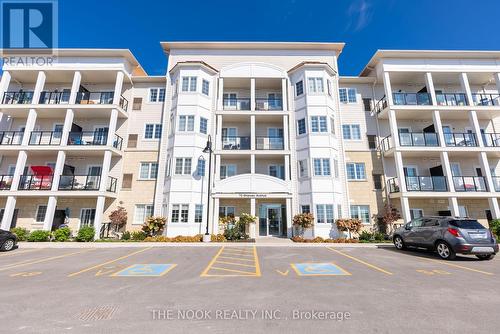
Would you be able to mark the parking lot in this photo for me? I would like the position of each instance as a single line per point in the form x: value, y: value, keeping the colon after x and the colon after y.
x: 252, y: 288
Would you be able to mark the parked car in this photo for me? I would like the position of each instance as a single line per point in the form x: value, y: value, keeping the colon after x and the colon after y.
x: 8, y: 240
x: 448, y: 236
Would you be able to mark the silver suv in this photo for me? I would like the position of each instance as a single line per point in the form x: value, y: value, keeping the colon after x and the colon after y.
x: 448, y: 236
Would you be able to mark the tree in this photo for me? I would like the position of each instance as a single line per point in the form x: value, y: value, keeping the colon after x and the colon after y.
x: 118, y: 218
x: 390, y: 216
x: 303, y: 221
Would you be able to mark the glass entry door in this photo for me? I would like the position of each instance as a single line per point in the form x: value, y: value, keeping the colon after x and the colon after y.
x: 270, y: 220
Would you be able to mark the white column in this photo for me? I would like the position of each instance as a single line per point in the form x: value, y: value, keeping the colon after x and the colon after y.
x: 214, y: 226
x: 464, y: 83
x: 99, y: 215
x: 289, y: 214
x: 75, y: 86
x: 388, y: 88
x: 68, y: 122
x: 252, y: 228
x: 4, y: 84
x: 497, y: 81
x: 485, y: 166
x: 393, y: 124
x: 285, y: 132
x: 113, y: 120
x: 118, y: 88
x: 253, y: 138
x: 287, y: 167
x: 445, y: 162
x: 453, y: 204
x: 475, y: 125
x: 106, y: 165
x: 21, y: 162
x: 284, y: 94
x: 49, y: 214
x: 218, y: 135
x: 400, y: 171
x: 40, y: 83
x: 430, y: 87
x: 494, y: 209
x: 58, y: 170
x: 220, y: 101
x: 29, y: 126
x: 252, y: 94
x: 217, y: 167
x: 8, y: 213
x: 405, y: 209
x: 438, y: 127
x: 252, y: 163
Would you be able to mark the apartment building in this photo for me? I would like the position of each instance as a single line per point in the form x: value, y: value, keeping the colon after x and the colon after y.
x: 272, y: 125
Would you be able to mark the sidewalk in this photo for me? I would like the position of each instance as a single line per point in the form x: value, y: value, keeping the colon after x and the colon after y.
x: 26, y: 245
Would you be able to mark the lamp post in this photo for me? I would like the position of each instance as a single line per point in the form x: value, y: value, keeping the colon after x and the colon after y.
x: 208, y: 149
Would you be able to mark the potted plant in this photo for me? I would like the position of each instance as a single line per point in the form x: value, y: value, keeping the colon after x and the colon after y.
x: 248, y: 221
x: 349, y: 225
x: 154, y: 225
x: 303, y: 221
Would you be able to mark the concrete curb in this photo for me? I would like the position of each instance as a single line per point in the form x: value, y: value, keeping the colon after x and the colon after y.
x: 64, y: 245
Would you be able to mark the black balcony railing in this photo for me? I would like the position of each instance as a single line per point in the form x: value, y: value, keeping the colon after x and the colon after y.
x: 412, y: 99
x: 236, y: 103
x: 268, y: 104
x: 486, y: 99
x: 112, y: 182
x: 393, y: 185
x: 20, y: 97
x: 496, y: 182
x: 235, y: 143
x: 426, y: 183
x: 380, y: 105
x: 460, y: 139
x: 118, y: 142
x: 386, y: 143
x: 79, y: 182
x: 491, y: 139
x: 35, y: 182
x: 5, y: 181
x: 418, y: 139
x: 470, y: 183
x: 54, y: 97
x: 94, y: 97
x: 269, y: 143
x: 11, y: 137
x: 451, y: 99
x: 45, y: 138
x: 88, y: 138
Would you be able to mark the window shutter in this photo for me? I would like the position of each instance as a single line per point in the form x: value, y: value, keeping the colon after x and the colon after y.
x: 127, y: 181
x: 367, y: 102
x: 137, y: 103
x: 132, y: 141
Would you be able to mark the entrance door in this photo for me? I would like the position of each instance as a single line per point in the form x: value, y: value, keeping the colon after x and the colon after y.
x: 274, y: 220
x: 59, y: 217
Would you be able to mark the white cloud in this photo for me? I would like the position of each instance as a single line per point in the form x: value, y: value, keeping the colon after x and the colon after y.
x: 360, y: 13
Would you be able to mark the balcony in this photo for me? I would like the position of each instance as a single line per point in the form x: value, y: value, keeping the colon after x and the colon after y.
x: 268, y: 104
x: 45, y: 138
x: 235, y: 143
x: 6, y: 182
x: 451, y: 99
x: 491, y: 139
x: 35, y: 182
x: 496, y: 182
x: 412, y: 99
x: 55, y: 97
x: 458, y: 139
x: 470, y: 183
x: 419, y: 139
x: 426, y: 183
x: 269, y: 143
x: 236, y: 103
x: 112, y: 182
x: 11, y: 137
x: 79, y: 182
x: 380, y: 105
x: 486, y: 99
x: 100, y: 98
x: 20, y: 97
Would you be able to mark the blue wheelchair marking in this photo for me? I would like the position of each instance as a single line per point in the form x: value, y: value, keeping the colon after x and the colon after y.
x: 145, y: 270
x: 318, y: 269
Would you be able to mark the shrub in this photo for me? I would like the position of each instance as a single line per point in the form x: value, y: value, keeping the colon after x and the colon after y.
x: 85, y: 234
x: 218, y: 238
x: 154, y: 225
x: 118, y: 218
x: 21, y: 232
x: 379, y: 236
x: 62, y: 234
x: 39, y: 236
x: 138, y: 235
x: 351, y: 225
x: 126, y: 235
x: 366, y: 236
x: 321, y: 240
x: 247, y: 219
x: 495, y: 227
x: 303, y: 221
x: 236, y: 232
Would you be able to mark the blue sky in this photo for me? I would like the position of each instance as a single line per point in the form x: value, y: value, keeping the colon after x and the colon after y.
x: 364, y: 25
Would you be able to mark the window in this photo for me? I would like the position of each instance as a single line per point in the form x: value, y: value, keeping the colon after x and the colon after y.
x: 318, y: 124
x: 303, y: 172
x: 347, y: 95
x: 277, y: 171
x: 205, y: 87
x: 299, y: 88
x: 361, y: 212
x: 315, y: 85
x: 321, y: 167
x: 183, y: 166
x: 148, y: 171
x: 324, y: 213
x: 227, y: 171
x: 305, y: 209
x: 351, y: 131
x: 301, y: 126
x: 203, y: 125
x: 226, y: 211
x: 189, y: 84
x: 230, y: 99
x: 180, y: 213
x: 377, y: 181
x: 127, y: 181
x: 200, y: 169
x: 372, y: 142
x: 339, y: 210
x: 40, y: 213
x: 137, y: 103
x: 87, y: 217
x: 186, y: 123
x: 152, y: 131
x: 141, y: 212
x: 156, y: 95
x: 198, y: 213
x: 132, y: 141
x: 367, y: 104
x: 356, y: 171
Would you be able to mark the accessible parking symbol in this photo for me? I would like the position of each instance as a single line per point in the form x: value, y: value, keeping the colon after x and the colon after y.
x: 142, y: 270
x: 318, y: 269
